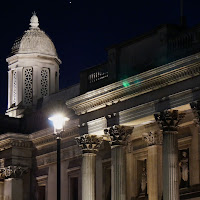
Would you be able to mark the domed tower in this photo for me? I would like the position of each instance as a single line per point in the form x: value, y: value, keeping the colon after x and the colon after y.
x: 33, y: 69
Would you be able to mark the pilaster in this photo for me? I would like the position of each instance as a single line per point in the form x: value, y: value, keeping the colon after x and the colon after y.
x: 194, y: 151
x: 154, y: 165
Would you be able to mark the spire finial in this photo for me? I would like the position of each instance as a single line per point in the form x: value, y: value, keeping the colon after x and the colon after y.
x: 34, y: 22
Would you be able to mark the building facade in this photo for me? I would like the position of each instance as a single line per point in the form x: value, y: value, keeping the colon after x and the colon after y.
x: 134, y: 121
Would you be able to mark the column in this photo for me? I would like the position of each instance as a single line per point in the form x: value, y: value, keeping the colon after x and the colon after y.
x: 118, y: 135
x: 89, y: 145
x: 13, y: 183
x: 1, y: 190
x: 154, y: 165
x: 13, y: 189
x: 168, y: 121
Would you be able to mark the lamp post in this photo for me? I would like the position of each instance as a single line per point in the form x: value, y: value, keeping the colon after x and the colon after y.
x: 58, y: 123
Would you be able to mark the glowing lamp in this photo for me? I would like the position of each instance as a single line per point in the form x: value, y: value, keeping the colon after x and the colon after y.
x: 58, y: 122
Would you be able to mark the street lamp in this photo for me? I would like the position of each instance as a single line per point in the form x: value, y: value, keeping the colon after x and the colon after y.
x: 58, y: 123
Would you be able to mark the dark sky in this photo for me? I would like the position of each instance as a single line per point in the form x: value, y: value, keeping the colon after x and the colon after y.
x: 82, y: 29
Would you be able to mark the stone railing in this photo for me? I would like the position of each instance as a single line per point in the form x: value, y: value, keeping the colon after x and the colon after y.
x: 98, y: 74
x: 185, y: 40
x: 94, y: 77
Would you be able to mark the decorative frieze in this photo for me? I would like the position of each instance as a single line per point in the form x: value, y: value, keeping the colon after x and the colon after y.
x: 89, y: 143
x: 153, y: 138
x: 97, y: 126
x: 137, y: 112
x: 168, y: 120
x: 12, y: 172
x: 118, y: 134
x: 68, y: 153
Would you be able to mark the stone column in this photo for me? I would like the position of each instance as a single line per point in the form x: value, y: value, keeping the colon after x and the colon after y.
x: 13, y: 183
x: 13, y: 189
x: 154, y: 165
x: 1, y: 190
x: 89, y: 145
x: 118, y: 136
x: 168, y: 121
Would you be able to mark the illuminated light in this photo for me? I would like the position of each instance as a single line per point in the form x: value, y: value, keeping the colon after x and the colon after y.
x: 58, y: 121
x: 126, y: 83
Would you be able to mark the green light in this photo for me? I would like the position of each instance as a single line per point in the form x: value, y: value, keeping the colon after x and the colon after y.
x: 126, y: 83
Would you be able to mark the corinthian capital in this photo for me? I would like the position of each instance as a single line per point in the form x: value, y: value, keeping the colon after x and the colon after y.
x: 89, y: 143
x: 118, y: 134
x: 168, y: 120
x: 12, y: 172
x: 153, y: 138
x: 195, y: 105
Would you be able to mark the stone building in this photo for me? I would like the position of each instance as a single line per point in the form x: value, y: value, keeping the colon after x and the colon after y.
x: 134, y: 121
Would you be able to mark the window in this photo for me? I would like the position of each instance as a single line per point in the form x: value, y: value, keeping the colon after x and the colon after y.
x: 41, y: 192
x: 28, y: 86
x: 14, y: 96
x: 73, y: 188
x: 44, y: 82
x: 107, y: 180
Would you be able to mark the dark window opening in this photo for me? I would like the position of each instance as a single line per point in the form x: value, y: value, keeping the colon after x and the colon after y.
x: 41, y: 193
x: 73, y: 188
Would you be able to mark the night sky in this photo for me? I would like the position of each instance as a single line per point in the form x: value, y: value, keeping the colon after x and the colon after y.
x: 82, y: 29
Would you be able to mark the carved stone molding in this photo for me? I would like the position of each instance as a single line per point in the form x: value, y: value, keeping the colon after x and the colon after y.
x: 89, y: 143
x: 118, y: 134
x: 49, y: 138
x: 12, y: 172
x: 153, y: 138
x: 42, y: 180
x: 168, y: 120
x: 195, y: 105
x: 151, y: 80
x: 9, y: 143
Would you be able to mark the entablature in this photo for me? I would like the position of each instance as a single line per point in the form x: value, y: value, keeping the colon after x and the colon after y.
x: 148, y: 81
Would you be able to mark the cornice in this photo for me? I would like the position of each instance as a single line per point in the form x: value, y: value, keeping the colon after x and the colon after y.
x: 10, y: 140
x: 42, y: 180
x: 16, y: 57
x: 10, y: 143
x: 46, y: 137
x: 151, y: 80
